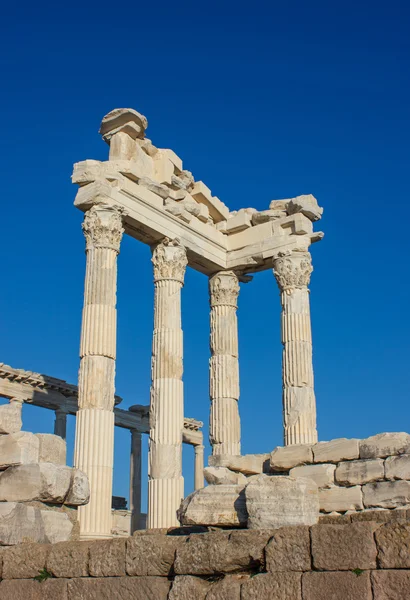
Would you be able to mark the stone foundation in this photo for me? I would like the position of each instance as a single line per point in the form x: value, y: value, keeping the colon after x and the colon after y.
x: 353, y: 561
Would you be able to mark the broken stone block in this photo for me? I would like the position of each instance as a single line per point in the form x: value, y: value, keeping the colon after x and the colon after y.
x: 18, y: 449
x: 217, y: 505
x: 249, y: 464
x: 217, y: 209
x: 154, y: 187
x: 279, y: 204
x: 341, y: 499
x: 397, y: 467
x: 357, y: 472
x: 79, y: 492
x: 174, y: 158
x: 335, y: 451
x: 45, y: 482
x: 322, y: 475
x: 385, y: 444
x: 287, y: 457
x: 276, y: 501
x: 126, y: 120
x: 307, y: 205
x: 386, y: 494
x: 265, y: 216
x: 222, y: 475
x: 10, y: 417
x: 238, y: 222
x: 53, y: 449
x: 163, y: 167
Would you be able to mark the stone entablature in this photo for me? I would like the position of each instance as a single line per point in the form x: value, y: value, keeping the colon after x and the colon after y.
x: 356, y: 561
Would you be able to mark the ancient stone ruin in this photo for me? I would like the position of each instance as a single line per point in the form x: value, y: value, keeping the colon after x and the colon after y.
x: 309, y: 520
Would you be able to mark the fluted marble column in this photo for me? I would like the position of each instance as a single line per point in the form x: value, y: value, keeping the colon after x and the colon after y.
x: 166, y: 484
x: 60, y: 423
x: 292, y: 272
x: 135, y: 479
x: 199, y: 467
x: 224, y: 427
x: 94, y: 440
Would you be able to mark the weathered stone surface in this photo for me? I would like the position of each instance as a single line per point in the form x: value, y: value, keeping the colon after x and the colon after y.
x: 20, y: 523
x: 223, y: 475
x: 335, y: 518
x: 289, y: 550
x: 25, y: 561
x: 357, y: 472
x: 57, y: 526
x: 151, y: 554
x: 322, y: 475
x: 249, y: 464
x: 287, y: 457
x: 391, y: 585
x: 124, y: 588
x: 275, y: 586
x: 187, y: 587
x: 53, y: 449
x: 107, y: 558
x: 344, y: 547
x: 228, y: 588
x: 341, y: 499
x: 45, y: 482
x: 393, y: 543
x: 79, y: 492
x: 221, y: 552
x: 68, y: 559
x: 307, y: 205
x: 218, y: 505
x: 336, y: 586
x: 277, y: 501
x: 378, y: 515
x: 386, y: 494
x: 336, y: 450
x: 10, y: 417
x: 397, y: 467
x: 18, y: 449
x: 51, y: 589
x: 385, y: 444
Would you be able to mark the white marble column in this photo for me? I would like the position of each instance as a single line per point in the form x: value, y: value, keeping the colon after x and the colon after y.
x: 292, y: 272
x: 135, y: 479
x: 94, y: 439
x: 224, y: 428
x: 60, y: 423
x: 166, y: 484
x: 199, y: 467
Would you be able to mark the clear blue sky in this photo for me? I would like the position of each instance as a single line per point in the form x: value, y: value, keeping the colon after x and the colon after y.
x: 262, y: 100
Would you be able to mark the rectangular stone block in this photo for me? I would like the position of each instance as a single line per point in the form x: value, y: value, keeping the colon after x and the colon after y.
x: 273, y: 586
x: 397, y: 467
x: 386, y: 494
x: 53, y: 449
x: 188, y: 587
x: 10, y: 417
x: 18, y: 589
x: 18, y: 449
x: 343, y: 547
x: 215, y: 505
x: 249, y: 464
x: 336, y: 586
x: 397, y: 515
x: 289, y: 550
x: 385, y: 444
x: 341, y: 499
x: 44, y: 482
x: 284, y: 458
x: 152, y: 554
x: 358, y: 472
x: 391, y: 585
x: 68, y: 559
x: 322, y: 475
x: 393, y: 544
x: 228, y: 588
x: 25, y: 561
x: 335, y: 451
x: 107, y: 558
x: 123, y: 588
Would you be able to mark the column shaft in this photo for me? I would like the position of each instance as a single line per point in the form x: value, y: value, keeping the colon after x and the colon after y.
x: 292, y: 273
x: 166, y: 484
x: 94, y: 443
x: 199, y: 467
x: 60, y: 423
x: 224, y: 428
x: 135, y: 479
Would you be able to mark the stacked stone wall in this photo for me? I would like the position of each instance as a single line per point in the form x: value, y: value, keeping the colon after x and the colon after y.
x: 352, y: 561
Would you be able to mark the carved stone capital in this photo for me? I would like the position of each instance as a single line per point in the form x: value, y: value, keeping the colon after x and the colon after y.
x: 169, y: 260
x: 224, y: 289
x: 293, y: 270
x: 102, y: 227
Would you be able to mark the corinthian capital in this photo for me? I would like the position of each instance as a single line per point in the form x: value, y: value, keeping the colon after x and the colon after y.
x: 224, y: 289
x: 293, y: 270
x: 169, y: 260
x: 102, y: 227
